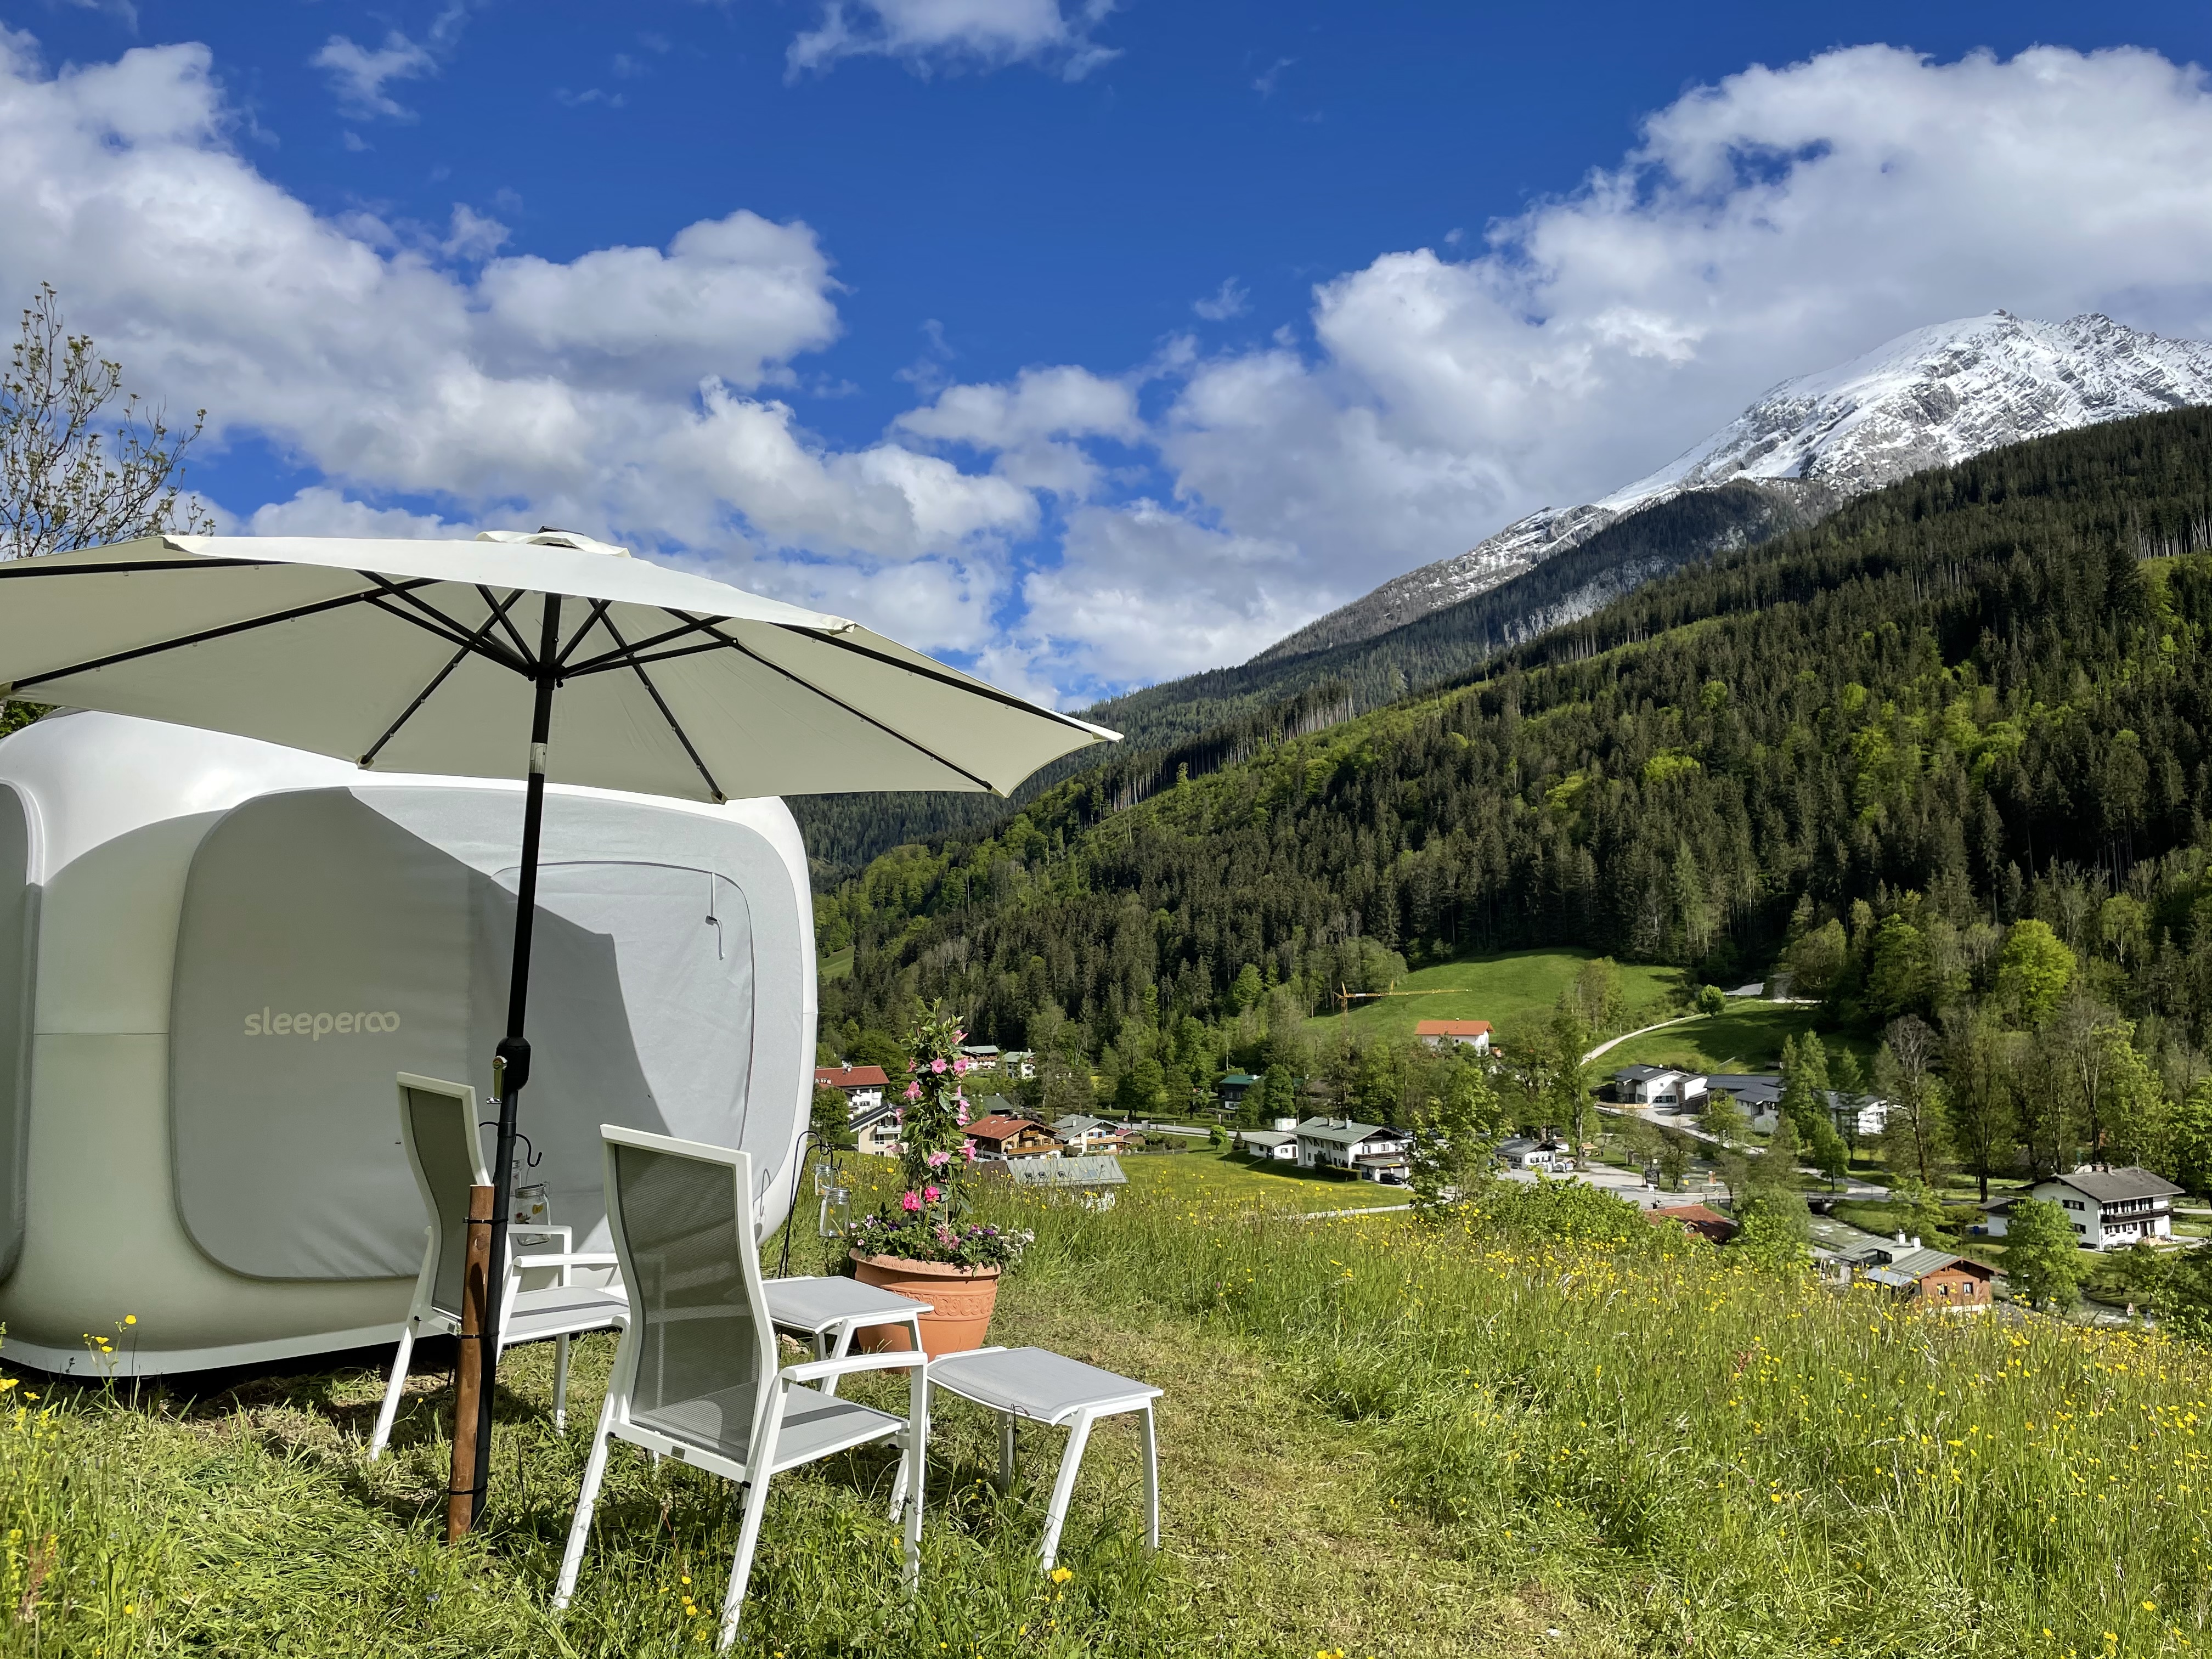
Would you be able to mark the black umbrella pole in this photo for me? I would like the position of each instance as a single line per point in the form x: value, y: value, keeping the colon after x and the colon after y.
x: 512, y: 1054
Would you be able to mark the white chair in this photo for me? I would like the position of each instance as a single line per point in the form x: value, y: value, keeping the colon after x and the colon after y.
x: 437, y: 1123
x: 1044, y: 1386
x: 696, y: 1377
x: 827, y: 1313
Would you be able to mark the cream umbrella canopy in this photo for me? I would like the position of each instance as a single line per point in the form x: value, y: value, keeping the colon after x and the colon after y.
x: 514, y: 655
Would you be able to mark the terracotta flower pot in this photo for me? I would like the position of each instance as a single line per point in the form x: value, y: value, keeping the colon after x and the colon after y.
x: 962, y: 1298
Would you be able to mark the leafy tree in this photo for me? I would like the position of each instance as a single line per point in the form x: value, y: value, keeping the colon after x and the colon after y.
x: 1673, y: 1159
x: 1457, y: 1132
x: 1712, y: 999
x: 1772, y: 1235
x: 1138, y: 1090
x: 1217, y: 1137
x: 1570, y: 1036
x: 831, y: 1120
x: 1978, y: 1063
x: 1830, y: 1155
x: 1721, y: 1118
x: 1916, y: 1134
x: 1916, y: 1212
x: 2188, y: 1152
x: 2042, y: 1257
x: 1597, y: 992
x: 1805, y: 1083
x: 1819, y: 963
x: 876, y: 1047
x: 1281, y: 1091
x: 2035, y: 970
x: 77, y: 469
x: 1898, y: 982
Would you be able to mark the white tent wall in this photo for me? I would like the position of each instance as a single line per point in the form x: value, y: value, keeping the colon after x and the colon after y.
x: 238, y: 1185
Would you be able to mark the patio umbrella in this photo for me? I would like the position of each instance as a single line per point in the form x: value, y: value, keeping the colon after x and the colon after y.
x: 514, y: 655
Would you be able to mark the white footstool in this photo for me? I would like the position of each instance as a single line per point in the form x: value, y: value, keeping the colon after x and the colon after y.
x: 1048, y: 1387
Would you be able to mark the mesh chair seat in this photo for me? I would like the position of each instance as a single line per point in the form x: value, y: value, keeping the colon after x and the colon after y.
x: 812, y: 1305
x: 815, y: 1425
x: 561, y: 1310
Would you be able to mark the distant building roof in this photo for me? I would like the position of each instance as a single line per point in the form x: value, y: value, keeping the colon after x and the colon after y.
x: 996, y: 1127
x: 850, y: 1077
x: 2111, y: 1185
x: 1076, y: 1124
x: 1453, y: 1028
x: 1709, y: 1225
x: 1239, y: 1080
x: 1641, y: 1073
x: 979, y: 1050
x: 1908, y: 1266
x: 1102, y: 1170
x: 1266, y: 1137
x: 1748, y: 1088
x: 1341, y: 1130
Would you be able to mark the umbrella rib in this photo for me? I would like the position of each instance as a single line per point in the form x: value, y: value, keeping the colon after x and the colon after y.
x: 201, y: 638
x: 41, y: 566
x: 746, y: 651
x: 614, y: 660
x: 620, y: 659
x: 972, y: 687
x: 468, y: 648
x: 499, y: 614
x: 449, y: 628
x: 674, y: 724
x: 598, y: 609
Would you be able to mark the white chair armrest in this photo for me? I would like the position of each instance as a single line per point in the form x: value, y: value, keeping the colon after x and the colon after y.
x: 568, y: 1259
x: 814, y: 1370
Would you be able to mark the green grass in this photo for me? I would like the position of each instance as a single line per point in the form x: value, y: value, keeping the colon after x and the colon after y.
x: 1496, y: 988
x: 1546, y: 1429
x: 1221, y: 1177
x: 1746, y: 1037
x: 838, y: 964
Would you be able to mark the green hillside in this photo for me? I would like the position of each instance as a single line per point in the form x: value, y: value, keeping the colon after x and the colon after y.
x: 1498, y: 989
x: 1872, y: 748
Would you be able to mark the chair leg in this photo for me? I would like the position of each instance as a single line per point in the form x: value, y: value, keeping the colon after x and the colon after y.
x: 579, y: 1530
x: 1063, y: 1489
x: 741, y: 1570
x: 1006, y: 1451
x: 391, y: 1391
x: 560, y: 1385
x: 1151, y: 1482
x: 916, y: 1470
x: 838, y: 1350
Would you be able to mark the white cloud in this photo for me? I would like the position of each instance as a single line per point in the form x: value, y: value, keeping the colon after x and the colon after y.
x: 318, y: 510
x: 1230, y: 299
x: 1030, y: 424
x: 616, y: 392
x: 1779, y: 221
x: 359, y: 74
x: 933, y: 34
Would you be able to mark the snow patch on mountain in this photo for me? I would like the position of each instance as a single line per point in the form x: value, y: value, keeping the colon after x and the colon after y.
x: 1931, y: 398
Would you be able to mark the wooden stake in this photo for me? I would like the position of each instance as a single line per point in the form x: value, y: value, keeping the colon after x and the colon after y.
x: 461, y: 1494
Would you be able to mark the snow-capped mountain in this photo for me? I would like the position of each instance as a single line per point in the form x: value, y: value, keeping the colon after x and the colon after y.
x: 1931, y: 398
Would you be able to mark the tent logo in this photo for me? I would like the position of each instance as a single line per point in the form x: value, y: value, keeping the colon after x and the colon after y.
x: 316, y: 1027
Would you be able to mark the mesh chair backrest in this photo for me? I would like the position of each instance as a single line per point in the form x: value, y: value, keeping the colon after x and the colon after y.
x: 440, y: 1127
x: 698, y: 1318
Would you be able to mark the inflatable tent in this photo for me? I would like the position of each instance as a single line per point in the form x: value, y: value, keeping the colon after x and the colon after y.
x: 215, y: 954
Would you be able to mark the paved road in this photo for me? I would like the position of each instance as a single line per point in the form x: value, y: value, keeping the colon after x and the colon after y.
x: 1612, y: 1042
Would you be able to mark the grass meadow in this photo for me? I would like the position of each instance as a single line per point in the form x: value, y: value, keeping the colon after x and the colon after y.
x: 1543, y: 1428
x: 1747, y: 1037
x: 1497, y: 988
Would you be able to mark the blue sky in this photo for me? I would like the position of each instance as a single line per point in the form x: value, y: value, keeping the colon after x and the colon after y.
x: 1084, y: 344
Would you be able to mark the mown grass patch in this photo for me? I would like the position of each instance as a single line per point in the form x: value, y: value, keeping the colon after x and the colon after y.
x: 1746, y: 1037
x: 1496, y: 988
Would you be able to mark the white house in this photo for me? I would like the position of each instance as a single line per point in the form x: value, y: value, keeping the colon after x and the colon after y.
x: 1462, y: 1033
x: 1366, y: 1150
x: 1528, y: 1153
x: 2110, y: 1209
x: 862, y: 1086
x: 876, y: 1130
x: 1269, y: 1143
x: 1656, y: 1086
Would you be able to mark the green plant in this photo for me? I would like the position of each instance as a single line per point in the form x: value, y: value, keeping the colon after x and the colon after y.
x: 2043, y: 1259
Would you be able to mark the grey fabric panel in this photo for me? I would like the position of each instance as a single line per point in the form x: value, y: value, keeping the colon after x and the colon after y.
x: 445, y: 1147
x: 699, y: 1371
x: 19, y: 945
x: 287, y: 1150
x: 388, y: 901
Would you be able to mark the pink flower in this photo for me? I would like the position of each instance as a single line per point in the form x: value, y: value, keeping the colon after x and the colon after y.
x: 959, y: 1065
x: 961, y: 1115
x: 912, y: 1201
x: 960, y: 1037
x: 914, y: 1092
x: 939, y: 1160
x: 936, y: 1064
x: 929, y: 1194
x: 968, y: 1151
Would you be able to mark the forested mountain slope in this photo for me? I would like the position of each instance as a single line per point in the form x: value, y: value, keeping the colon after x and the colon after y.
x: 1211, y: 714
x: 1958, y: 700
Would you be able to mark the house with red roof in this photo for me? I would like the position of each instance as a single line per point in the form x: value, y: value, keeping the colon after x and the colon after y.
x: 1466, y: 1033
